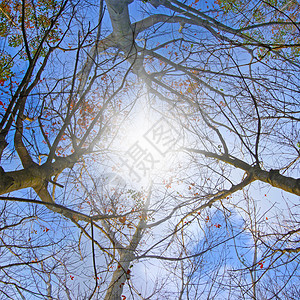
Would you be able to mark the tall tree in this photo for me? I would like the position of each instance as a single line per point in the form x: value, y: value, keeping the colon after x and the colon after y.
x: 212, y: 91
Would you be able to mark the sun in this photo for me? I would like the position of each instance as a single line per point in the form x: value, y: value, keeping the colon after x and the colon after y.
x: 146, y: 147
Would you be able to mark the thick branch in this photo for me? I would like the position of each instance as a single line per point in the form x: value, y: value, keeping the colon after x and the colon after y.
x: 34, y: 175
x: 273, y: 177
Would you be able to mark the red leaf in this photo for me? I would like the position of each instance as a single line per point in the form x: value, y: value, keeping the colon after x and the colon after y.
x: 122, y: 220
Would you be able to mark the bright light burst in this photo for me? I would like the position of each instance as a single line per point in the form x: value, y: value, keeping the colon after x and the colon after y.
x: 147, y: 146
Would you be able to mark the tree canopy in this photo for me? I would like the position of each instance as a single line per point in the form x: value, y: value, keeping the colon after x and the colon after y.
x: 149, y: 149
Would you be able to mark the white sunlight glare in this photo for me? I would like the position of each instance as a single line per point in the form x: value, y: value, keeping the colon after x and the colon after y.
x: 147, y: 146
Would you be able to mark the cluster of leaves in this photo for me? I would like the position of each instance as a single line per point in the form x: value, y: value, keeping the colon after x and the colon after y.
x: 274, y: 22
x: 30, y: 20
x: 258, y: 7
x: 5, y: 67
